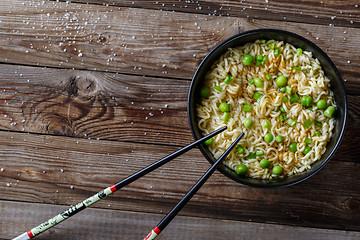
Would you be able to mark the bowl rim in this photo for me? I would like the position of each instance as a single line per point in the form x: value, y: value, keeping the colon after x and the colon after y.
x: 339, y: 78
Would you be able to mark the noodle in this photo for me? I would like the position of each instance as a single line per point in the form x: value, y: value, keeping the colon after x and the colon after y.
x: 310, y: 80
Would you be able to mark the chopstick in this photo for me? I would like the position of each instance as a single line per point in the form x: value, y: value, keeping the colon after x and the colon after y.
x: 109, y: 190
x: 170, y: 216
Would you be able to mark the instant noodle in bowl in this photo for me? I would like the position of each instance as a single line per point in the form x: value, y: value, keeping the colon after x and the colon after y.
x: 279, y: 96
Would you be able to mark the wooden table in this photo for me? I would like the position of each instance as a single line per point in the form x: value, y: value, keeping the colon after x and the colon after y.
x: 91, y: 92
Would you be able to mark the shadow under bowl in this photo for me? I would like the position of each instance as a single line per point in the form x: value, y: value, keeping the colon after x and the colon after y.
x: 337, y: 86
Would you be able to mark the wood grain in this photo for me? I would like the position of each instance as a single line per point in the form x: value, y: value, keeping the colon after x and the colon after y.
x: 119, y: 107
x: 132, y: 225
x: 63, y: 170
x: 142, y: 41
x: 94, y: 105
x: 339, y: 13
x: 91, y: 92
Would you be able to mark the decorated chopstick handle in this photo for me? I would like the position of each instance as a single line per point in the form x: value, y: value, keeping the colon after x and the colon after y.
x: 66, y: 214
x: 167, y: 219
x: 91, y: 200
x: 153, y: 234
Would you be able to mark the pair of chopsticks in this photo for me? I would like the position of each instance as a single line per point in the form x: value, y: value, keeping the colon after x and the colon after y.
x: 109, y: 190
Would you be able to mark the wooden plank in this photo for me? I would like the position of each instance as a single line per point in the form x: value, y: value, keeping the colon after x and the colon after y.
x: 95, y: 105
x: 63, y: 170
x: 109, y: 224
x: 339, y: 13
x: 141, y: 41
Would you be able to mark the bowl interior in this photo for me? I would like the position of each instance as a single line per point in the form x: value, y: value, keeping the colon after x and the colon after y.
x: 337, y: 86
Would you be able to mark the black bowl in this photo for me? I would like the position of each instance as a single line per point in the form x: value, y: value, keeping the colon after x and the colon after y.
x: 337, y: 86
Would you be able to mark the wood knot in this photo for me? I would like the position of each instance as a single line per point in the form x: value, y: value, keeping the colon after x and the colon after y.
x: 352, y: 204
x: 82, y: 86
x: 58, y: 125
x: 86, y: 85
x: 102, y: 39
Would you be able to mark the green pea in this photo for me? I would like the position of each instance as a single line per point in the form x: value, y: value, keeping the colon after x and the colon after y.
x: 293, y: 147
x: 204, y: 92
x: 266, y: 124
x: 241, y: 169
x: 248, y: 122
x: 246, y: 108
x: 321, y: 104
x: 281, y: 81
x: 306, y: 101
x: 258, y: 60
x: 209, y: 141
x: 329, y: 111
x: 257, y: 95
x: 224, y: 107
x: 299, y: 51
x: 248, y: 60
x: 265, y: 163
x: 258, y: 82
x: 277, y: 170
x: 279, y: 139
x: 268, y: 137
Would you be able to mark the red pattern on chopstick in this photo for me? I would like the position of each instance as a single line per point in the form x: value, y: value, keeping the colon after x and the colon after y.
x: 153, y: 234
x: 112, y: 188
x: 156, y: 230
x: 29, y: 233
